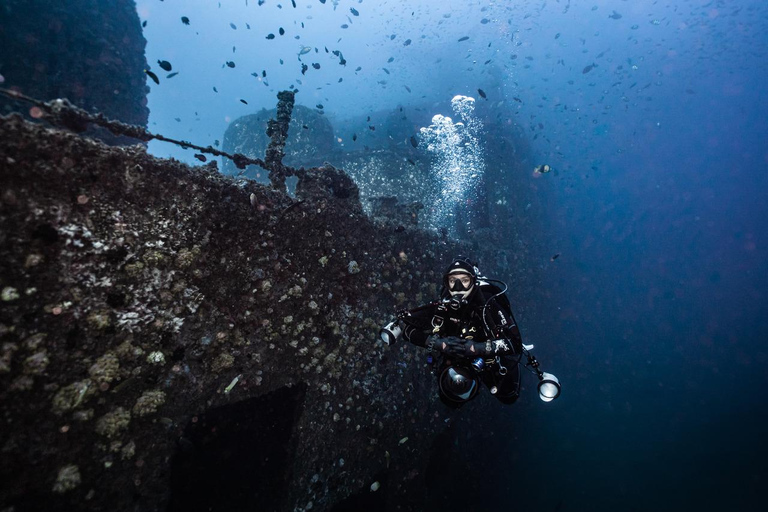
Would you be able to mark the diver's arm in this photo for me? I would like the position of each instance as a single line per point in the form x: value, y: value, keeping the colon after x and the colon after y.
x: 415, y: 335
x: 417, y: 326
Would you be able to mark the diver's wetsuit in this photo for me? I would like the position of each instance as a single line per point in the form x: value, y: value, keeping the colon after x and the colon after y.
x: 480, y: 320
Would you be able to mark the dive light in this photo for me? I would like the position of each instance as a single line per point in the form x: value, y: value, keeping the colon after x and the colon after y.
x: 549, y: 387
x: 390, y: 333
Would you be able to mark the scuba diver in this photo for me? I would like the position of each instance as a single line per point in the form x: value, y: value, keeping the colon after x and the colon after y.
x: 473, y: 331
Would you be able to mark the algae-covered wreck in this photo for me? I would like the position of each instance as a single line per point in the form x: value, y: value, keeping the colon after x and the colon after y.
x: 171, y: 336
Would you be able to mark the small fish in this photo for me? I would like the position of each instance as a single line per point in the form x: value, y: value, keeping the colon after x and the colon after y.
x: 482, y: 94
x: 553, y: 258
x: 305, y: 127
x: 293, y: 2
x: 216, y: 143
x: 407, y: 88
x: 201, y: 157
x: 390, y: 59
x: 354, y: 137
x: 557, y: 36
x: 230, y: 64
x: 354, y: 11
x: 270, y: 36
x: 542, y: 169
x: 185, y: 20
x: 248, y: 26
x: 517, y: 99
x: 243, y: 101
x: 485, y: 21
x: 372, y: 128
x: 385, y: 70
x: 465, y: 38
x: 165, y: 65
x: 304, y: 68
x: 589, y: 68
x: 171, y: 75
x: 316, y: 65
x: 615, y: 16
x: 152, y: 76
x: 406, y: 42
x: 281, y: 31
x: 320, y: 106
x: 144, y: 24
x: 215, y: 89
x: 345, y: 26
x: 410, y: 161
x: 234, y: 27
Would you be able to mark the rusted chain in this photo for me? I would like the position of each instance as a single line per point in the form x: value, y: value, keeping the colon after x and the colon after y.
x: 60, y: 112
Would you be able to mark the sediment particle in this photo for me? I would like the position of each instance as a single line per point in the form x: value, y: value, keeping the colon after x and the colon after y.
x: 129, y: 450
x: 71, y: 396
x: 156, y: 357
x: 67, y: 479
x: 222, y: 362
x: 105, y: 369
x: 149, y: 402
x: 99, y: 320
x: 9, y: 294
x: 36, y: 363
x: 114, y: 422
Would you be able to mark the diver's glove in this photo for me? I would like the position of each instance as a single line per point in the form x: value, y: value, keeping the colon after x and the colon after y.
x: 460, y: 347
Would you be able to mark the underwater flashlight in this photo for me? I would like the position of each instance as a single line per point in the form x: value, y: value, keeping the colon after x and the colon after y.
x: 390, y: 333
x: 549, y: 387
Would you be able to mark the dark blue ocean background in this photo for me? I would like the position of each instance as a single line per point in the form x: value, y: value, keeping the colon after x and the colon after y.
x: 653, y: 113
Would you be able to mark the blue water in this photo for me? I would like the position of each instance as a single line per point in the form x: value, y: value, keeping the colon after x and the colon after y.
x: 654, y: 316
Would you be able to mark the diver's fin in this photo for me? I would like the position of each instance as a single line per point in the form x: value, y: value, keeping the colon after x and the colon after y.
x: 527, y: 347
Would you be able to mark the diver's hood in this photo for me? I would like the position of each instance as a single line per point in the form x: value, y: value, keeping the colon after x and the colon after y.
x: 461, y: 266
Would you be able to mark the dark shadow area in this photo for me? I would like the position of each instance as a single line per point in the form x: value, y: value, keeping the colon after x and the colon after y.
x: 457, y: 478
x: 365, y: 499
x: 237, y: 457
